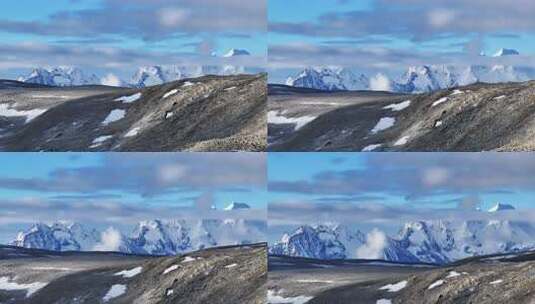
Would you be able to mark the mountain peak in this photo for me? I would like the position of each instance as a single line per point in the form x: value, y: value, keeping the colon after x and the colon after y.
x: 505, y: 52
x: 237, y: 52
x: 501, y: 207
x: 60, y: 76
x: 155, y: 237
x: 329, y: 79
x: 237, y: 206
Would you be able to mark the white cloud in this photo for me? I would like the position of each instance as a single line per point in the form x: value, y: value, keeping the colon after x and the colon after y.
x: 172, y: 173
x: 376, y: 241
x: 111, y: 80
x: 441, y: 17
x: 172, y: 17
x: 111, y: 240
x: 433, y: 177
x: 380, y: 83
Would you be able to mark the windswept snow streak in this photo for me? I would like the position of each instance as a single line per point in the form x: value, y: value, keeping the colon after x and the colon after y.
x: 170, y: 93
x: 453, y: 274
x: 170, y: 268
x: 402, y: 141
x: 99, y: 140
x: 436, y: 284
x: 371, y: 148
x: 188, y: 259
x: 441, y: 100
x: 132, y: 132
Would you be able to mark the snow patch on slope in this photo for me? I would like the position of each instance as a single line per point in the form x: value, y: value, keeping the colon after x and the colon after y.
x: 275, y: 117
x: 7, y: 111
x: 129, y: 99
x: 31, y: 288
x: 383, y: 124
x: 114, y: 116
x: 115, y: 291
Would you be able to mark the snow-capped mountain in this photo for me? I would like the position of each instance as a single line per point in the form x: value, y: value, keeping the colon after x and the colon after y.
x: 236, y: 52
x: 237, y: 206
x: 156, y: 237
x: 419, y: 241
x: 60, y: 76
x: 155, y: 75
x: 331, y: 79
x: 416, y: 79
x: 505, y: 52
x: 501, y: 207
x: 319, y: 241
x: 421, y: 79
x: 63, y: 236
x: 143, y: 77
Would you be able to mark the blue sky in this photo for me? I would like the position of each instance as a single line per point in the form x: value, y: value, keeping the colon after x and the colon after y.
x: 384, y: 190
x: 389, y: 35
x: 92, y: 188
x: 118, y: 36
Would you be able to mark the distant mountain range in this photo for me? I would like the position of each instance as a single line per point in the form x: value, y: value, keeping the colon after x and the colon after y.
x: 417, y: 79
x: 154, y: 237
x: 419, y: 241
x: 145, y: 76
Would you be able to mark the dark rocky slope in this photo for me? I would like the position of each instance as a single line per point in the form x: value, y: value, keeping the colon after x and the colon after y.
x: 210, y: 113
x: 234, y: 274
x: 479, y: 117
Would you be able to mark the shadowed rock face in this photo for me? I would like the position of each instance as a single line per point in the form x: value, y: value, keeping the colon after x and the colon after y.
x: 490, y: 117
x: 234, y: 274
x: 210, y: 113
